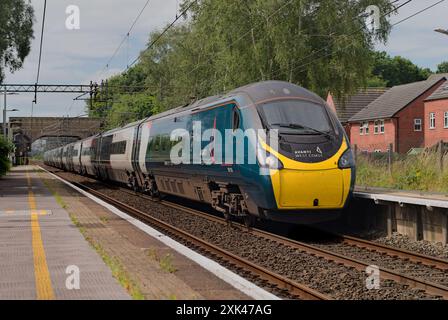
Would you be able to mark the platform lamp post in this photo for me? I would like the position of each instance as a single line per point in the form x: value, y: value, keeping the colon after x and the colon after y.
x: 6, y: 133
x: 5, y: 93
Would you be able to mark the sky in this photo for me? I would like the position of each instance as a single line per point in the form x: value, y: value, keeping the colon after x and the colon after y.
x: 79, y: 56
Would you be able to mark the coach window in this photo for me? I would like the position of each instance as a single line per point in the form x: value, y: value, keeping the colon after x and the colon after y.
x: 236, y: 119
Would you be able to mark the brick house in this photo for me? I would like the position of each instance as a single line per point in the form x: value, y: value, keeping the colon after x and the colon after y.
x: 397, y: 117
x: 436, y: 116
x: 352, y: 104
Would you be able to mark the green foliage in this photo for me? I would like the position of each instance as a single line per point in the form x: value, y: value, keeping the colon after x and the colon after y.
x: 397, y: 70
x: 419, y: 172
x: 322, y: 45
x: 443, y: 67
x: 16, y: 33
x: 5, y: 149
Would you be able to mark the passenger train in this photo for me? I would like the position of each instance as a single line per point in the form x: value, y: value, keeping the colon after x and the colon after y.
x: 310, y: 180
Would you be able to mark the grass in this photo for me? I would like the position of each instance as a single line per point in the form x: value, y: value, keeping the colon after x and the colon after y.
x: 165, y: 262
x: 55, y: 194
x: 104, y: 220
x: 419, y: 172
x: 118, y: 271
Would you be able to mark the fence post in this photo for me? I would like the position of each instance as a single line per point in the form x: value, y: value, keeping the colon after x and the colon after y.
x: 356, y: 153
x: 389, y: 158
x: 441, y: 153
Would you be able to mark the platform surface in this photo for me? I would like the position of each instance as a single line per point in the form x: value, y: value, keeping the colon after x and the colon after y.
x: 41, y: 250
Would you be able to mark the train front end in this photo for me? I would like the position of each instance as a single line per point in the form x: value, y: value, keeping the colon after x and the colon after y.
x: 311, y: 168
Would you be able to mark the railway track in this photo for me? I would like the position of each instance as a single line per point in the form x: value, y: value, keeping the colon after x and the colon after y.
x: 281, y: 282
x: 293, y: 288
x: 431, y: 288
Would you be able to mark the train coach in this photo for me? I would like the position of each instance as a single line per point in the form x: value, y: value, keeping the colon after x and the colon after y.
x: 308, y: 176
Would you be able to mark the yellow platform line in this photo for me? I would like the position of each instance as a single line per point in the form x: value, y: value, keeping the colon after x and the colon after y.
x: 44, y: 289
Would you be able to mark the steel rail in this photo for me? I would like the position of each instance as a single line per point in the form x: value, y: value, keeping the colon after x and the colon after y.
x: 385, y: 274
x: 281, y: 282
x: 429, y: 287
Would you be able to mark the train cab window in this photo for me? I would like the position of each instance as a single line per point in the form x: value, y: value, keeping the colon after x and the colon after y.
x: 297, y: 117
x: 236, y: 119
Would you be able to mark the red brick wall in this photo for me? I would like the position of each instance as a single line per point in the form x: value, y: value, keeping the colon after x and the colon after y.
x: 433, y: 136
x: 372, y: 141
x: 407, y: 137
x: 400, y: 129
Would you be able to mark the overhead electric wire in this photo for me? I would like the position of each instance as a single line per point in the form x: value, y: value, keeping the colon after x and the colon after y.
x: 164, y: 31
x: 241, y: 37
x: 276, y: 12
x: 394, y: 24
x: 269, y: 17
x: 125, y: 38
x: 40, y: 49
x: 276, y: 73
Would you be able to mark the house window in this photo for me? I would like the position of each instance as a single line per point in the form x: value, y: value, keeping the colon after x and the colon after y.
x: 379, y: 127
x: 446, y: 120
x: 432, y: 120
x: 417, y: 124
x: 364, y: 128
x: 376, y: 129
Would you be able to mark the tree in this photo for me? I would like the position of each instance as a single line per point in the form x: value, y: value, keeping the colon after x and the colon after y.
x: 5, y: 150
x: 397, y: 70
x: 322, y: 45
x: 443, y: 67
x: 16, y: 33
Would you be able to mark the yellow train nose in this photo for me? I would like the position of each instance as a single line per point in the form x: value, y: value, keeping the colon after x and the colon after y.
x: 311, y: 189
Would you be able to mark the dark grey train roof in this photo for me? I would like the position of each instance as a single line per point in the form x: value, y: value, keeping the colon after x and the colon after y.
x: 441, y: 93
x: 257, y: 92
x: 394, y: 100
x: 262, y: 91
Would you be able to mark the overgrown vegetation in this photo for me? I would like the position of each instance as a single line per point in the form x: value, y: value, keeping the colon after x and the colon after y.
x: 16, y: 33
x: 118, y: 271
x: 322, y: 45
x: 5, y: 149
x: 419, y: 172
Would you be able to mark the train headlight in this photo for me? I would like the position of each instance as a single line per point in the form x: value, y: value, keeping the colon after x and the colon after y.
x: 347, y: 160
x: 269, y: 161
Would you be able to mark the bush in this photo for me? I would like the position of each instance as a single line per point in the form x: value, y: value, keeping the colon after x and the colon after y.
x: 416, y: 172
x: 5, y: 149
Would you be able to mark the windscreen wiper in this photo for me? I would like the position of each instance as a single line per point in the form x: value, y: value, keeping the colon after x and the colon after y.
x: 301, y: 126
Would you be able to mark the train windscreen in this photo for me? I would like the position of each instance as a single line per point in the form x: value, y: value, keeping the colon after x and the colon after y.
x: 296, y: 117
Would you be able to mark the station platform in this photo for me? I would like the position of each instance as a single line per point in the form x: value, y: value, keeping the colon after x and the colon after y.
x: 43, y: 255
x: 48, y: 229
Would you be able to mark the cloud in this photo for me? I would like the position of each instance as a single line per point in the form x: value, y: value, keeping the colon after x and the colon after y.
x: 78, y: 56
x: 415, y: 38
